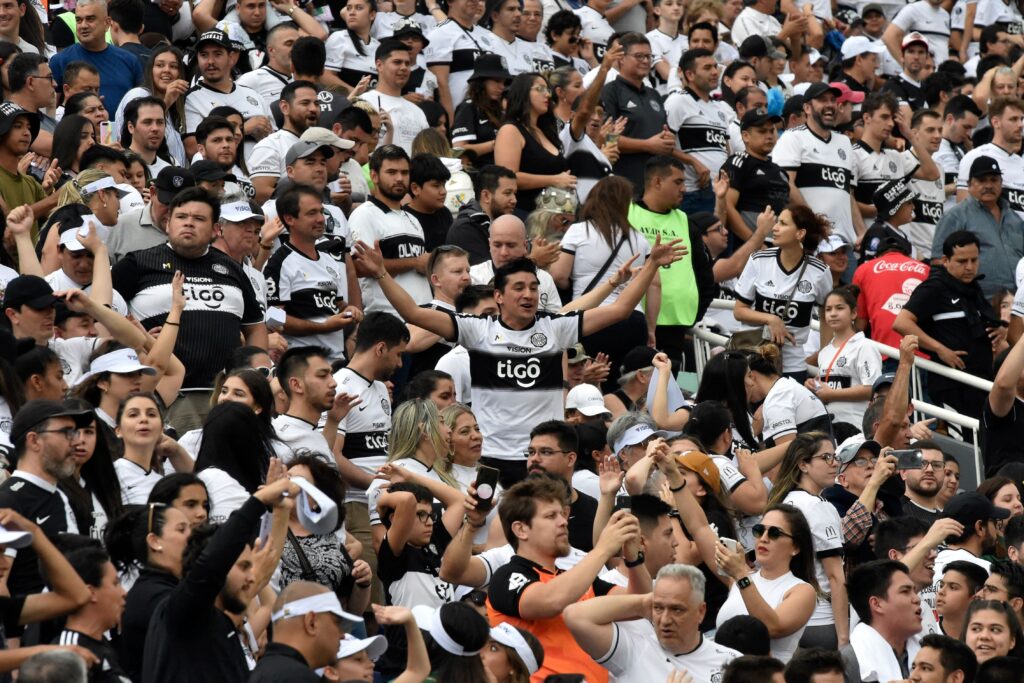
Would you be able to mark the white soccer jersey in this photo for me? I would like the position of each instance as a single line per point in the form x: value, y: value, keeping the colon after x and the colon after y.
x: 201, y: 98
x: 764, y: 285
x: 596, y: 29
x: 267, y: 158
x: 384, y: 23
x: 701, y: 131
x: 301, y: 436
x: 406, y: 118
x: 308, y: 289
x: 636, y: 656
x: 540, y: 55
x: 343, y: 56
x: 516, y: 376
x: 855, y: 364
x: 930, y: 21
x: 518, y: 54
x: 752, y: 22
x: 456, y: 364
x: 790, y: 407
x: 59, y: 281
x: 1012, y: 166
x: 457, y: 48
x: 873, y: 168
x: 266, y: 81
x: 929, y: 206
x: 824, y: 174
x: 401, y: 236
x: 826, y: 530
x: 668, y: 49
x: 727, y: 472
x: 998, y: 12
x: 366, y: 426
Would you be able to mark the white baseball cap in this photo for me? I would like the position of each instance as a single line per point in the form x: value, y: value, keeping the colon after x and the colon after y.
x: 236, y: 212
x: 587, y: 399
x: 69, y: 237
x: 375, y: 646
x: 119, y: 362
x: 859, y: 45
x: 832, y: 244
x: 10, y: 538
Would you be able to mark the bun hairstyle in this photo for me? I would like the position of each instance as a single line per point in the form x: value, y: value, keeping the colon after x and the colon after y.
x: 125, y: 536
x: 847, y: 293
x: 815, y: 225
x: 468, y: 629
x: 765, y: 359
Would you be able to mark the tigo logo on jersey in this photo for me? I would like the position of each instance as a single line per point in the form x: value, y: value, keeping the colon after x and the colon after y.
x: 524, y: 374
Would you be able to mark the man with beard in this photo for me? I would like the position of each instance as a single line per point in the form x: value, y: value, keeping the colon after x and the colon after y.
x: 979, y: 517
x: 923, y: 485
x: 531, y: 593
x: 960, y: 118
x: 216, y: 57
x: 196, y: 633
x: 393, y: 61
x: 1006, y: 115
x: 300, y: 109
x: 382, y: 218
x: 553, y: 446
x: 820, y: 164
x: 42, y: 434
x: 146, y: 120
x: 907, y: 86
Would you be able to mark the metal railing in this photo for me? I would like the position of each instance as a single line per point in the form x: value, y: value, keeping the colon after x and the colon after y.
x: 707, y: 340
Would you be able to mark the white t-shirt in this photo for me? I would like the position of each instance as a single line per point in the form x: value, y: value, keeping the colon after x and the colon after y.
x: 456, y: 364
x: 344, y: 57
x: 226, y: 494
x: 789, y: 408
x: 947, y: 555
x: 267, y: 158
x: 855, y: 364
x: 60, y: 281
x: 267, y: 82
x: 826, y: 530
x: 300, y: 436
x: 931, y: 21
x: 636, y: 656
x: 407, y: 119
x: 136, y: 483
x: 483, y: 273
x: 752, y: 22
x: 590, y: 251
x: 666, y: 48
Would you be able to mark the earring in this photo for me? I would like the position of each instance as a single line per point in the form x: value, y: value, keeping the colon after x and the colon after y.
x: 159, y: 548
x: 104, y: 205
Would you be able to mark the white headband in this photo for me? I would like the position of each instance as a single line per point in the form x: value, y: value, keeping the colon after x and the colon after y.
x: 442, y: 638
x: 319, y: 603
x: 510, y: 636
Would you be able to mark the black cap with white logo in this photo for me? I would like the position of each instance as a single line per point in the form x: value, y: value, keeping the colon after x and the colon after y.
x: 983, y: 166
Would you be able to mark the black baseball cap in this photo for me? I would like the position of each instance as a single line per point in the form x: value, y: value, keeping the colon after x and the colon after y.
x: 884, y: 380
x: 818, y: 89
x: 9, y: 113
x: 983, y: 166
x: 29, y: 290
x: 637, y: 358
x: 172, y: 180
x: 757, y: 117
x: 794, y: 105
x: 890, y: 196
x: 970, y: 507
x: 39, y: 410
x: 217, y: 37
x: 759, y: 46
x: 205, y: 169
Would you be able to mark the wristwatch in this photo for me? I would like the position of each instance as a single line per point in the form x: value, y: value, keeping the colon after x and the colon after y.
x: 635, y: 563
x: 744, y: 582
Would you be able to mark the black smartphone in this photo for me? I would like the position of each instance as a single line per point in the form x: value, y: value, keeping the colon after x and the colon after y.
x: 486, y: 487
x: 623, y: 502
x: 910, y: 459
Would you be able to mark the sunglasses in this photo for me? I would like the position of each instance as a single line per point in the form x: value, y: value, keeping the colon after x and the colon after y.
x: 557, y: 199
x: 774, y: 532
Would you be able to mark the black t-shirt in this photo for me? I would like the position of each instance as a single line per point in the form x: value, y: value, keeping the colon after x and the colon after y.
x: 912, y: 509
x: 645, y: 117
x: 45, y: 508
x: 509, y: 582
x: 435, y: 226
x: 906, y: 92
x: 581, y: 522
x: 763, y: 182
x: 108, y: 669
x: 1002, y: 438
x: 282, y: 662
x: 473, y: 127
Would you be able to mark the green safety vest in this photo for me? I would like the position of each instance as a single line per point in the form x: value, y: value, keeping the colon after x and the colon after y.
x: 679, y: 296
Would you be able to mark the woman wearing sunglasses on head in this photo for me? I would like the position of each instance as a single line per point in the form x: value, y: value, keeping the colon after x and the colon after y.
x: 809, y: 466
x: 783, y: 591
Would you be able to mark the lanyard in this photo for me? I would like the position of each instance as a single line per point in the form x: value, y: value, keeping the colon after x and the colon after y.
x: 828, y: 371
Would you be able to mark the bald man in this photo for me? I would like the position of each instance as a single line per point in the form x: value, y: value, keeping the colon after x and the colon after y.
x: 308, y: 625
x: 507, y: 242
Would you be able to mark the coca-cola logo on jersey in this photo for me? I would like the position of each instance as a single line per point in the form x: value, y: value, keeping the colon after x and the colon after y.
x: 905, y: 267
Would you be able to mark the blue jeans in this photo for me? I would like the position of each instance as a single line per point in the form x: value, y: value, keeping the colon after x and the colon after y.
x: 701, y: 200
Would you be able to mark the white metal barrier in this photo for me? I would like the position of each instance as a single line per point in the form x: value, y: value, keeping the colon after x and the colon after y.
x: 706, y: 340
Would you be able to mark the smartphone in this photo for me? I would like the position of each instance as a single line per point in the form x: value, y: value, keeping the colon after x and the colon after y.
x: 910, y: 459
x: 486, y: 487
x: 623, y: 502
x: 106, y: 132
x: 733, y: 546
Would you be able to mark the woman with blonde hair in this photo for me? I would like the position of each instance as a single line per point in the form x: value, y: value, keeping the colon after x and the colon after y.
x: 419, y: 451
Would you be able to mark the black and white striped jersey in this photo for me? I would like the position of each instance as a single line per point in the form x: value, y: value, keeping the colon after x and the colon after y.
x: 366, y: 426
x: 873, y: 168
x: 308, y: 290
x: 344, y: 57
x: 108, y: 669
x: 457, y: 47
x: 220, y: 300
x: 702, y: 130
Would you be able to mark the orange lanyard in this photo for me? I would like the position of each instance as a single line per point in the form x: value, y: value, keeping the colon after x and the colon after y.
x: 828, y: 371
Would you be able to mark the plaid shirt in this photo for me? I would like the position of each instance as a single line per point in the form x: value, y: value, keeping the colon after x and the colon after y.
x: 858, y: 522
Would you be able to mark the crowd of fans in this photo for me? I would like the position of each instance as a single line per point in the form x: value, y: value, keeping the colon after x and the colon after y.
x: 347, y: 340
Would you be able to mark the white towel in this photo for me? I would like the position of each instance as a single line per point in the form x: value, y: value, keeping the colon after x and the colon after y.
x: 875, y: 655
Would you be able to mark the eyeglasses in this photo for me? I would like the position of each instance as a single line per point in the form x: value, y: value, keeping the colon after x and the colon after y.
x: 48, y: 76
x: 69, y: 433
x: 640, y: 56
x: 862, y: 462
x: 829, y: 458
x: 721, y: 229
x: 934, y: 465
x: 425, y: 516
x: 152, y: 509
x: 573, y: 40
x: 774, y: 532
x: 264, y: 370
x: 542, y: 89
x: 542, y: 452
x: 563, y: 221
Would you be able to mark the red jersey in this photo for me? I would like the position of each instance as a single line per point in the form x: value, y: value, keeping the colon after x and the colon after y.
x: 885, y: 286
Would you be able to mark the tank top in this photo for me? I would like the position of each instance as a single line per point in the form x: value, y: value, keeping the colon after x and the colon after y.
x: 538, y: 161
x: 773, y: 591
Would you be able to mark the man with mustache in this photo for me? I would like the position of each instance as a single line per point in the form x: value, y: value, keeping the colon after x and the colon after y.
x: 1006, y: 115
x: 923, y: 485
x: 300, y: 110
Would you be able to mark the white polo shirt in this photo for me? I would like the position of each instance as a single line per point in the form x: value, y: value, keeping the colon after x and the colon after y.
x: 636, y: 656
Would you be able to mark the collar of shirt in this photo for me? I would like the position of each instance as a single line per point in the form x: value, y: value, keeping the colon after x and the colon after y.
x: 36, y: 480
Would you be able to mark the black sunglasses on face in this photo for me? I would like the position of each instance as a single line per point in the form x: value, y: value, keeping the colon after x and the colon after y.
x: 774, y: 532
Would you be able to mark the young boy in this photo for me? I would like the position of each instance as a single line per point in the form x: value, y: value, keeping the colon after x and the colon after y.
x: 427, y: 178
x: 959, y: 584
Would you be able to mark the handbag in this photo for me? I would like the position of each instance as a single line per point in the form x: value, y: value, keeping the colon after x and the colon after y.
x: 759, y: 336
x: 307, y: 572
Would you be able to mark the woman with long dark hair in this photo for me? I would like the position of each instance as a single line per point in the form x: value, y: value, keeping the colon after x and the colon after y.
x: 89, y: 105
x: 457, y: 625
x: 780, y: 287
x: 150, y: 539
x: 782, y: 592
x: 233, y: 457
x: 186, y: 492
x: 528, y: 144
x: 250, y: 388
x: 478, y: 118
x: 350, y: 53
x: 93, y: 490
x: 601, y: 243
x: 1003, y: 493
x: 72, y: 136
x: 140, y: 424
x: 725, y: 380
x: 164, y: 77
x: 810, y: 465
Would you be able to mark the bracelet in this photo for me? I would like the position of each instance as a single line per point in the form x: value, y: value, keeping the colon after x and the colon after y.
x: 679, y: 488
x: 266, y: 247
x: 381, y: 276
x: 168, y: 322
